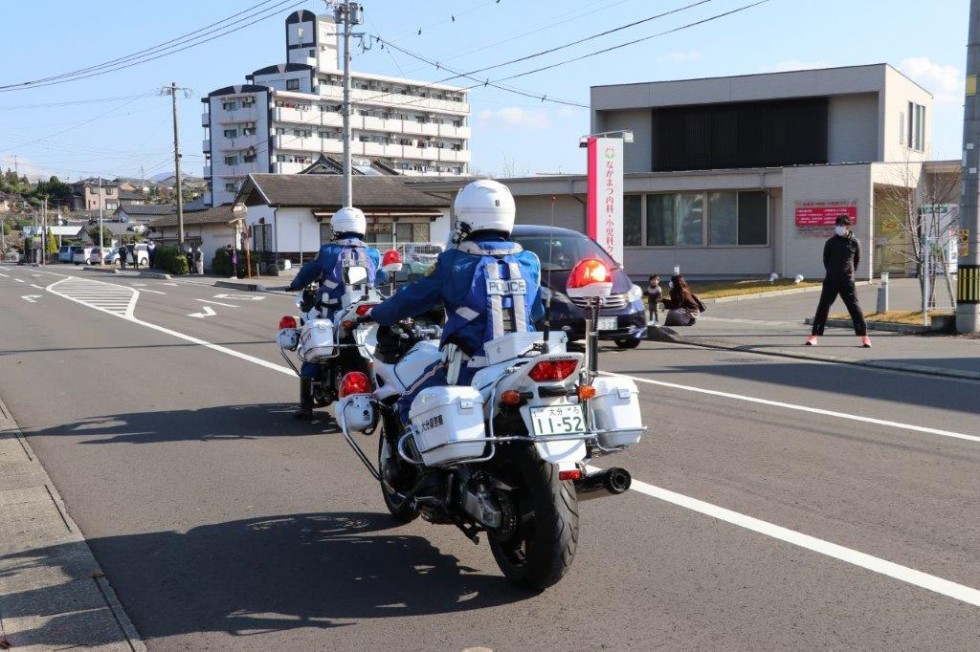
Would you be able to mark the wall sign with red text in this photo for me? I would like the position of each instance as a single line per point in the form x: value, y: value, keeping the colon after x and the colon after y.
x: 823, y: 214
x: 605, y: 204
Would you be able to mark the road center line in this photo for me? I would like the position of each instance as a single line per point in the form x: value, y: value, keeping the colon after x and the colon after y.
x: 803, y: 408
x: 877, y: 565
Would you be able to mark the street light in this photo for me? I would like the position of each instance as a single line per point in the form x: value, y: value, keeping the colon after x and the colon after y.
x: 627, y: 135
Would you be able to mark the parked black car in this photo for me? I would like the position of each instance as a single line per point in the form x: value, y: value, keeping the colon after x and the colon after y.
x: 623, y: 316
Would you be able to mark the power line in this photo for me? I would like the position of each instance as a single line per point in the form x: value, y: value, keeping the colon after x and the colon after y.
x: 164, y: 50
x: 640, y: 40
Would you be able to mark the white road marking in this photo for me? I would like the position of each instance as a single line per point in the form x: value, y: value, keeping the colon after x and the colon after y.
x: 901, y: 573
x: 217, y: 303
x: 35, y: 285
x: 905, y: 574
x: 239, y: 297
x: 207, y: 311
x: 4, y: 275
x: 31, y: 298
x: 152, y: 291
x: 804, y: 408
x: 109, y: 298
x: 19, y: 280
x: 170, y: 284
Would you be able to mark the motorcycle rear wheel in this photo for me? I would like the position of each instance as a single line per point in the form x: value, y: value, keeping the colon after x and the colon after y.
x: 402, y: 510
x: 539, y: 552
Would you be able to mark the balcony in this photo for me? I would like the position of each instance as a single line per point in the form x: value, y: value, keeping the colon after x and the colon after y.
x: 207, y: 171
x: 206, y: 119
x: 299, y: 143
x: 449, y: 131
x: 381, y: 98
x: 206, y: 145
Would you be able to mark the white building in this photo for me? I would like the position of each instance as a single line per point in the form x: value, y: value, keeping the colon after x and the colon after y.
x: 287, y: 115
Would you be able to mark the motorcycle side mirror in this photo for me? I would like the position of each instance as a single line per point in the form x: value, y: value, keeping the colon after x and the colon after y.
x: 356, y: 275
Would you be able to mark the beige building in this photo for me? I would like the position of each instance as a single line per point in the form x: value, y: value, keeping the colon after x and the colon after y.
x: 743, y: 176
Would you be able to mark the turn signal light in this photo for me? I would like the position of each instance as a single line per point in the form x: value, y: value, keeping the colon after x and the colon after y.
x: 574, y: 474
x: 549, y: 371
x: 287, y: 322
x: 585, y: 392
x: 354, y: 382
x: 364, y: 309
x: 511, y: 397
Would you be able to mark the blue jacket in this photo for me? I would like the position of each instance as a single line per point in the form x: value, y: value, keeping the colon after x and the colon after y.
x: 450, y: 281
x: 324, y: 266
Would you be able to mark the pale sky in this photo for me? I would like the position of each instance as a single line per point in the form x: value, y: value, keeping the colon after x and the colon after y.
x: 115, y: 123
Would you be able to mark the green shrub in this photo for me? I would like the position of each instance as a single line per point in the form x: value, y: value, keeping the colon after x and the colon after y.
x: 170, y: 260
x: 221, y: 264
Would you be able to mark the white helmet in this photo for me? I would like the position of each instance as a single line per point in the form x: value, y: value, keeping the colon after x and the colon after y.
x: 484, y: 205
x: 349, y: 220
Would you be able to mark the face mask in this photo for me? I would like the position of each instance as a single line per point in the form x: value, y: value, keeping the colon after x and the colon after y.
x: 840, y: 230
x: 670, y: 284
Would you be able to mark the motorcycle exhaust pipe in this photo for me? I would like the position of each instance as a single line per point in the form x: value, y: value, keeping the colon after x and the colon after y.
x: 610, y: 482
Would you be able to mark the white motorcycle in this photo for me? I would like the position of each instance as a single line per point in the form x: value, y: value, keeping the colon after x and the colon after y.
x: 335, y: 345
x: 507, y: 454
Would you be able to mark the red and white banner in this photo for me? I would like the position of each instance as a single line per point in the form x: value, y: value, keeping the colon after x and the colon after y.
x: 605, y: 206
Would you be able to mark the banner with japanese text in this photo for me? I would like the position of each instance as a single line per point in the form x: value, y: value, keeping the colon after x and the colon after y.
x: 605, y: 204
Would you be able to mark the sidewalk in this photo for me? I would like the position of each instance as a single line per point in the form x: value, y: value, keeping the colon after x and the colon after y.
x: 774, y: 325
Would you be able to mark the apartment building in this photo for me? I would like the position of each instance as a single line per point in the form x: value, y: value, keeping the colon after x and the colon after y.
x: 286, y: 116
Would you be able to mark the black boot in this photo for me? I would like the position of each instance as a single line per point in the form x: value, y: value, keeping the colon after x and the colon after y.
x: 305, y: 411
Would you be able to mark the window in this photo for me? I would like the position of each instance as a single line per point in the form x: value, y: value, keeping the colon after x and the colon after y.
x: 231, y: 133
x: 229, y: 106
x: 280, y: 131
x: 676, y: 219
x: 231, y: 186
x: 248, y: 101
x: 302, y: 133
x: 248, y: 158
x: 632, y: 220
x: 916, y: 127
x: 231, y: 160
x: 727, y: 219
x: 108, y: 191
x: 248, y: 131
x: 292, y: 84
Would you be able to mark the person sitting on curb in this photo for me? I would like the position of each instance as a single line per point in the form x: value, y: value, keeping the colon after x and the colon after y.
x: 683, y: 306
x: 841, y: 256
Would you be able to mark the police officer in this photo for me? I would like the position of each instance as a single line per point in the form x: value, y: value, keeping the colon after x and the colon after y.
x: 841, y: 256
x: 345, y: 250
x: 489, y: 286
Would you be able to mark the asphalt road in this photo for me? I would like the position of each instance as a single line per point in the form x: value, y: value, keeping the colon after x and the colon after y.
x: 778, y: 503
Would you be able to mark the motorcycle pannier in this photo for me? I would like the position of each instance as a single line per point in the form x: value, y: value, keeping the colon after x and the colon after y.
x: 316, y: 340
x: 288, y: 338
x: 616, y: 409
x: 446, y: 421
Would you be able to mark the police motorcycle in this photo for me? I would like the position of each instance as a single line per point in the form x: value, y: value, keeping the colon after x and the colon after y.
x: 507, y: 455
x: 335, y: 345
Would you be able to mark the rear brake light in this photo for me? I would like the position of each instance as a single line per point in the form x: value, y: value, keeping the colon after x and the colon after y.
x: 552, y: 370
x: 364, y: 309
x: 354, y: 382
x: 574, y: 474
x: 287, y: 322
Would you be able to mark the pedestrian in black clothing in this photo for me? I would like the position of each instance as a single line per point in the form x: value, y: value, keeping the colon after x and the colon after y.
x: 841, y: 256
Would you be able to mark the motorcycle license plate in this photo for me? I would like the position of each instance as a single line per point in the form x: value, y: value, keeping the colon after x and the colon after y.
x: 557, y: 420
x: 607, y: 324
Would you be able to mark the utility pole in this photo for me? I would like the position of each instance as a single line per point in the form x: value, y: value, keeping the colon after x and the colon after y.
x: 968, y: 268
x: 172, y: 92
x: 101, y: 243
x: 44, y: 232
x: 349, y: 13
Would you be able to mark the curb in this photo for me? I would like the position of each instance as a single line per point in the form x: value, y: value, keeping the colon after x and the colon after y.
x: 40, y: 592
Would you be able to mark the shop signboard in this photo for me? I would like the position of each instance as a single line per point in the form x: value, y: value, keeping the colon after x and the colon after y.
x: 823, y: 214
x: 605, y: 205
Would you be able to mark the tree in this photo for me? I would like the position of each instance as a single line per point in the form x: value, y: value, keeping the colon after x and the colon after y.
x: 93, y: 232
x: 52, y: 245
x: 911, y: 206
